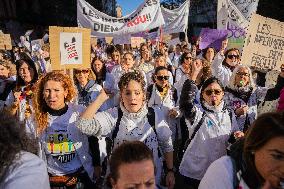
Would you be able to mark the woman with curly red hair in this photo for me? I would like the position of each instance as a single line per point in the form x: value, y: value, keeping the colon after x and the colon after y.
x: 64, y: 148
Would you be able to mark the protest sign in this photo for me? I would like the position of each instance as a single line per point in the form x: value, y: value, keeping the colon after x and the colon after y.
x: 264, y: 44
x: 176, y: 20
x: 69, y: 47
x: 5, y: 42
x: 212, y: 38
x: 136, y: 41
x: 147, y: 16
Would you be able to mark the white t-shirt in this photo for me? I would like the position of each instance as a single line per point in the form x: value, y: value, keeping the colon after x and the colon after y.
x: 219, y: 175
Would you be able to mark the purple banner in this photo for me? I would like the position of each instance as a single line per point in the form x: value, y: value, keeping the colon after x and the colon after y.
x: 212, y: 38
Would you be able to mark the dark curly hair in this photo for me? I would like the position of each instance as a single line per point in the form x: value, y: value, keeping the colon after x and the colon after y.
x: 13, y: 139
x: 127, y: 77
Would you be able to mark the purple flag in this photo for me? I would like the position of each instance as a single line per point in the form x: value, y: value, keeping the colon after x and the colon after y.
x: 212, y: 38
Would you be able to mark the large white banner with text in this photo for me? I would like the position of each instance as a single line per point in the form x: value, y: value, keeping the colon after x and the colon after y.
x: 147, y: 16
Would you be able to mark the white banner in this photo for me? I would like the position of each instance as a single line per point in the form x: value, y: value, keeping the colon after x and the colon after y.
x: 229, y: 15
x: 147, y: 16
x: 234, y: 16
x: 176, y: 20
x: 246, y: 7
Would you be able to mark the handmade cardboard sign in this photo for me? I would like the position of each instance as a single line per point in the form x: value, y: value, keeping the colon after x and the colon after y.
x: 69, y: 47
x: 5, y: 42
x: 264, y: 44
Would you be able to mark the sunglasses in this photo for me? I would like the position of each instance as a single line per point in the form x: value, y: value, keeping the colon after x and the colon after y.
x: 242, y: 74
x: 81, y: 71
x: 188, y: 58
x: 213, y: 91
x: 231, y: 56
x: 160, y: 77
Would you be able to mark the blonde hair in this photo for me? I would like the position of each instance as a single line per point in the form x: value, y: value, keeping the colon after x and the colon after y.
x: 39, y: 104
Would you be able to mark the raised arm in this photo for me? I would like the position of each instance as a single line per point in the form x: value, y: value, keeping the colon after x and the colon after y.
x: 92, y: 109
x: 189, y: 91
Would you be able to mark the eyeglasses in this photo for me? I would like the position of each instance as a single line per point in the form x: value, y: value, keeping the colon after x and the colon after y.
x: 231, y: 56
x: 161, y: 77
x: 81, y: 71
x: 211, y: 91
x: 243, y: 74
x: 188, y: 58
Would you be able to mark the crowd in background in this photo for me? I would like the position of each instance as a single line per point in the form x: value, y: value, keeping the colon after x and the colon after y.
x: 204, y: 119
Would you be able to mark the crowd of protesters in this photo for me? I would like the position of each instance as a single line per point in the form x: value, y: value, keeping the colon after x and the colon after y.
x: 156, y: 116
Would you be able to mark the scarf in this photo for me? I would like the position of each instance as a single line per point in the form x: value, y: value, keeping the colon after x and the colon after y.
x: 83, y: 97
x: 243, y: 93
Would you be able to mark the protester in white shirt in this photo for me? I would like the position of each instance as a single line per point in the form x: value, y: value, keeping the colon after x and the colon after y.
x: 129, y: 122
x: 64, y: 148
x: 159, y: 61
x: 255, y: 161
x: 224, y: 63
x: 210, y: 125
x: 163, y: 95
x: 175, y: 56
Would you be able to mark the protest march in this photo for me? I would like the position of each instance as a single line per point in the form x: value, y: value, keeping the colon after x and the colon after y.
x: 134, y: 101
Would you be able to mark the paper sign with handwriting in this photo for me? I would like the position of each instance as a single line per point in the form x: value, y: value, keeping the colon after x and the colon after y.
x: 264, y: 44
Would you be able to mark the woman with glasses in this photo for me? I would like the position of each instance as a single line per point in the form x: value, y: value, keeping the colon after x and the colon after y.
x: 88, y: 91
x: 224, y: 63
x: 160, y: 60
x: 163, y: 95
x: 210, y: 124
x: 183, y: 72
x: 243, y: 96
